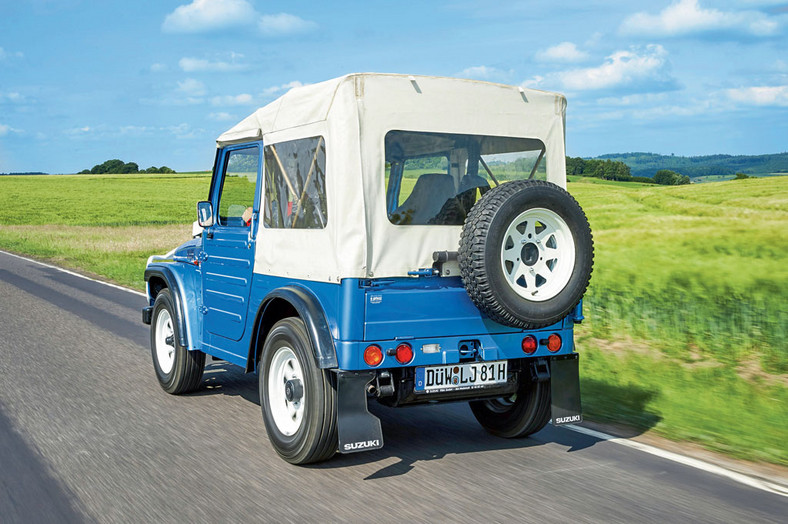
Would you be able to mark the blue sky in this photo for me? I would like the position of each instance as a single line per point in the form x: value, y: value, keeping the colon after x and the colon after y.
x: 156, y: 81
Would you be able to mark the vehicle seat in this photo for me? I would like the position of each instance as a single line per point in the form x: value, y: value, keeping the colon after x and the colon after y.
x: 467, y: 192
x: 431, y: 191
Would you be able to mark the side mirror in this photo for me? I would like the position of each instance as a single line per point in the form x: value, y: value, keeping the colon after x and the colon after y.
x: 204, y: 214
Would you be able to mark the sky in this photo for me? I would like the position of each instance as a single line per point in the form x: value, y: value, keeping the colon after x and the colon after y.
x: 156, y: 81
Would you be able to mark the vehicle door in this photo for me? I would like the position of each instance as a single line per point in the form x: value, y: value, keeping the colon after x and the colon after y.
x: 228, y: 244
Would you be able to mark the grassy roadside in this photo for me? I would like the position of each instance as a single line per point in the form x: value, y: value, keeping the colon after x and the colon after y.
x: 686, y: 314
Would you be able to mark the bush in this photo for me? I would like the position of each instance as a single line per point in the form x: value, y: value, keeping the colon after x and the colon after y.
x: 116, y: 166
x: 666, y: 177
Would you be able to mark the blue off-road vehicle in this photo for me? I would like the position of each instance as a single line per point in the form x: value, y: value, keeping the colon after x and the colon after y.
x: 398, y: 238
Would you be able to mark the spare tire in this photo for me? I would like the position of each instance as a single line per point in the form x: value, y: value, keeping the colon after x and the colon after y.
x: 526, y: 253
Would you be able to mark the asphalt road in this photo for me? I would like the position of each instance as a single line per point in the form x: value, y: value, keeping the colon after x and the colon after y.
x: 86, y: 434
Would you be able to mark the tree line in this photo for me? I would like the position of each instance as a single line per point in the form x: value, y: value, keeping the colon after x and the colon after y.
x: 119, y: 167
x: 694, y: 166
x: 617, y: 170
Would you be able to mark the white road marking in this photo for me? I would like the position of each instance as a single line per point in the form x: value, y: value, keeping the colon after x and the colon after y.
x: 668, y: 455
x: 73, y: 273
x: 687, y: 461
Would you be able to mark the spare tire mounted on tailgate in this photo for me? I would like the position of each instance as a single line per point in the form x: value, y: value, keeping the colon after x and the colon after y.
x: 526, y: 253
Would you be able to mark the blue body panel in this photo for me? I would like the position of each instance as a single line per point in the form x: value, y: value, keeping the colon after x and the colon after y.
x: 423, y: 307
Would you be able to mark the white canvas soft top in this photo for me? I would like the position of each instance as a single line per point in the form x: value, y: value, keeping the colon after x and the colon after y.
x: 353, y: 113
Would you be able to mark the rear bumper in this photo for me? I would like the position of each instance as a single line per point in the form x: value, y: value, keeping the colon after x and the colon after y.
x: 449, y: 350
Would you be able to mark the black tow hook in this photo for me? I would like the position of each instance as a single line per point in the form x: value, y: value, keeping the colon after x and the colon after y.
x: 294, y: 390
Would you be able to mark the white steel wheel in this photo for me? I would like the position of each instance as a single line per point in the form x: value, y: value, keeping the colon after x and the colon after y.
x: 538, y: 254
x: 286, y: 391
x: 165, y: 341
x: 178, y: 369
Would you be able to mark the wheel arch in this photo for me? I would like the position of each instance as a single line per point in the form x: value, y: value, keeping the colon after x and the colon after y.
x: 158, y: 278
x: 290, y: 301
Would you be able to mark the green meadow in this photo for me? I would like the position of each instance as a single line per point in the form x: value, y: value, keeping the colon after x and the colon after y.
x: 686, y: 315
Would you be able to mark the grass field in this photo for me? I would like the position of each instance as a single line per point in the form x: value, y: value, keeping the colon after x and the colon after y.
x: 686, y: 313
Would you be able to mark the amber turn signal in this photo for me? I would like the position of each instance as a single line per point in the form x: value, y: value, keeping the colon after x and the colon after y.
x: 373, y: 355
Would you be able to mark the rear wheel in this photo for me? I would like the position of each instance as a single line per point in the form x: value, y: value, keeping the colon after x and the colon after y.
x: 520, y: 415
x: 177, y: 369
x: 298, y: 399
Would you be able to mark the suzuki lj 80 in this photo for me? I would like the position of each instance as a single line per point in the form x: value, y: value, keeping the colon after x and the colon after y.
x: 404, y: 239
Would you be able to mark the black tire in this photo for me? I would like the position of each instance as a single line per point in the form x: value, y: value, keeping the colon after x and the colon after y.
x: 482, y: 246
x: 518, y: 416
x: 314, y: 437
x: 185, y: 370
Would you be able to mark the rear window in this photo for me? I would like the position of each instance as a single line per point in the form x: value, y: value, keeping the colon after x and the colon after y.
x: 435, y: 178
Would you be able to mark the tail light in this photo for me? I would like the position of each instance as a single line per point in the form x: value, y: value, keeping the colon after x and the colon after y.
x: 373, y: 355
x: 530, y: 344
x: 404, y: 353
x: 554, y: 342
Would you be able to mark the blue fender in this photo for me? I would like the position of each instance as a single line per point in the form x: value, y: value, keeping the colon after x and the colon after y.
x: 308, y: 307
x: 172, y: 282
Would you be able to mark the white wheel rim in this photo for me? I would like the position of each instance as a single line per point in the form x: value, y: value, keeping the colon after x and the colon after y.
x: 287, y: 414
x: 538, y: 254
x: 165, y: 352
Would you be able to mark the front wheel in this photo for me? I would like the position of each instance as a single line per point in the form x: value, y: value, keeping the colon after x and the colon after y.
x: 520, y: 415
x: 298, y: 399
x: 178, y: 369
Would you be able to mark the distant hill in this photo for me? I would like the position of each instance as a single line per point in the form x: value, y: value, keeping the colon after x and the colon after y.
x: 646, y: 164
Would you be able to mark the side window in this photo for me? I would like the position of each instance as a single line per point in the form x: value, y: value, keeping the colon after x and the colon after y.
x: 295, y: 184
x: 237, y: 197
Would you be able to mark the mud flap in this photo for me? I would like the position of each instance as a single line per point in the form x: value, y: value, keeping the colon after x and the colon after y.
x: 565, y: 389
x: 359, y: 430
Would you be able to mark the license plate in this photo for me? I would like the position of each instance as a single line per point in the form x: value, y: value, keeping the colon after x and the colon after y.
x: 452, y: 377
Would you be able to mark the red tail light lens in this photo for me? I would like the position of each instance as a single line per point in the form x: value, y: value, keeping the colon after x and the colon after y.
x: 373, y: 355
x: 530, y: 344
x: 554, y: 342
x: 404, y: 354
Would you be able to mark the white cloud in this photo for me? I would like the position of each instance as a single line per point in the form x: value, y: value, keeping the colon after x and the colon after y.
x: 12, y: 97
x: 563, y: 52
x: 209, y: 15
x: 632, y: 100
x: 80, y: 131
x: 636, y: 67
x: 184, y: 131
x: 221, y: 116
x: 4, y: 129
x: 284, y: 24
x: 686, y: 17
x: 105, y: 131
x: 534, y: 82
x: 191, y: 87
x: 7, y: 55
x: 203, y: 16
x: 230, y: 100
x: 478, y: 72
x: 284, y: 87
x: 760, y: 95
x: 192, y: 65
x: 158, y: 68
